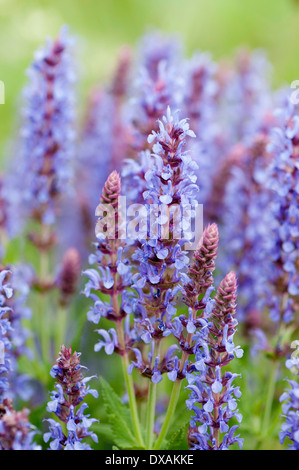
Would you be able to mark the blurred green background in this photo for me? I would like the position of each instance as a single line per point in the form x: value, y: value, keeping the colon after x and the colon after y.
x: 219, y: 26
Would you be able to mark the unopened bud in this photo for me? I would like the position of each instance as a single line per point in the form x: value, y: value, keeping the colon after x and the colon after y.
x: 69, y: 276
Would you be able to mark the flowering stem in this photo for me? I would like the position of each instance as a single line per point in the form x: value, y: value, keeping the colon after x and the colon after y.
x: 174, y: 397
x: 44, y: 327
x: 129, y: 381
x: 170, y: 412
x: 270, y: 396
x: 61, y: 323
x: 273, y: 372
x: 151, y: 404
x: 132, y: 400
x: 150, y: 414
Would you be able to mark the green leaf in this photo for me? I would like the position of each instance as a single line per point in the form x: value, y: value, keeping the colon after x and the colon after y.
x: 178, y: 440
x: 119, y: 417
x: 104, y: 431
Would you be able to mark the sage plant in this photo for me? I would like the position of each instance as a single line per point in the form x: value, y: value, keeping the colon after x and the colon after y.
x: 67, y: 404
x: 213, y: 397
x: 16, y: 432
x: 281, y: 249
x: 112, y: 277
x: 5, y: 331
x: 167, y: 313
x: 290, y: 407
x: 44, y: 168
x: 47, y: 135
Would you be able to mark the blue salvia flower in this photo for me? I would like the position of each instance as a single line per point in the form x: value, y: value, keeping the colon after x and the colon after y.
x: 109, y: 342
x: 246, y: 96
x: 214, y: 397
x: 155, y: 47
x: 242, y: 227
x: 243, y: 109
x: 113, y: 274
x: 159, y: 83
x: 21, y: 279
x: 93, y: 166
x: 201, y: 105
x: 104, y: 129
x: 198, y: 284
x: 200, y: 100
x: 6, y: 293
x: 47, y: 135
x: 170, y: 182
x: 16, y: 433
x: 67, y: 404
x: 10, y: 225
x: 281, y: 249
x: 290, y: 407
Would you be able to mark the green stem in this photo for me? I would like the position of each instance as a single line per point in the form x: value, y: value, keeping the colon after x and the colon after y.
x: 150, y: 414
x: 170, y: 412
x: 132, y: 400
x: 125, y: 364
x: 60, y: 330
x: 151, y: 404
x: 128, y: 380
x: 43, y: 314
x: 273, y: 374
x: 270, y: 397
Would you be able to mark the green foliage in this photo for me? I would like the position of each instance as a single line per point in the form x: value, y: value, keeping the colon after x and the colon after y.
x: 121, y: 429
x: 178, y: 440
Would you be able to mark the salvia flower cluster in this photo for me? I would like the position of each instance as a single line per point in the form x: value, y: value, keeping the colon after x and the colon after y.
x: 212, y: 388
x: 67, y: 404
x: 48, y: 134
x: 16, y: 432
x: 290, y: 407
x: 283, y: 245
x: 176, y: 197
x: 5, y: 331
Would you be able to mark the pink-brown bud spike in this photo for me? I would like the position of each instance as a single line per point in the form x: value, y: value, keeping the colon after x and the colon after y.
x: 208, y: 244
x: 69, y: 276
x: 201, y: 270
x: 204, y: 256
x: 226, y: 296
x: 15, y: 426
x: 120, y: 81
x: 111, y: 190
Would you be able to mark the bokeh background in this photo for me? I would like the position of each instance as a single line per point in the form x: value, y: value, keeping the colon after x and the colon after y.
x: 218, y: 26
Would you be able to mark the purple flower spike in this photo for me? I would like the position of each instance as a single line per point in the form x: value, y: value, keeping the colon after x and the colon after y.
x: 290, y: 408
x: 16, y: 433
x: 113, y: 273
x: 214, y: 390
x: 109, y: 343
x: 47, y: 135
x: 67, y: 404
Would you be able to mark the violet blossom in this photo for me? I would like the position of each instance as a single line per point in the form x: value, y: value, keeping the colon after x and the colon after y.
x: 67, y: 404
